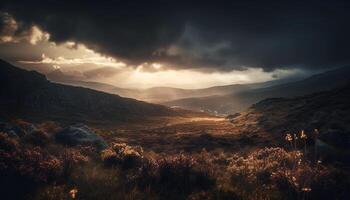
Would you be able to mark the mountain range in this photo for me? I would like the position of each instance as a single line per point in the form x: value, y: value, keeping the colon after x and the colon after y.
x: 159, y: 94
x: 220, y: 100
x: 29, y: 92
x: 241, y: 100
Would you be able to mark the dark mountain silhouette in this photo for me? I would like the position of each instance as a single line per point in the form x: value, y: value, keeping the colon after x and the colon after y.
x: 239, y: 101
x: 29, y: 94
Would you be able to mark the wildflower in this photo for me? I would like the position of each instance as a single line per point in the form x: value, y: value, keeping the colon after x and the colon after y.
x: 299, y: 154
x: 289, y: 137
x: 295, y: 182
x: 306, y: 189
x: 303, y: 135
x: 73, y: 192
x: 299, y: 162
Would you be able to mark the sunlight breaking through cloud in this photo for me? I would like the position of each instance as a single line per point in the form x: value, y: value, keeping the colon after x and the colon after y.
x: 61, y: 60
x: 192, y: 79
x: 75, y: 59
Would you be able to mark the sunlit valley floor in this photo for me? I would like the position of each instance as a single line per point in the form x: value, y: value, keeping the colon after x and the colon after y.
x: 64, y: 142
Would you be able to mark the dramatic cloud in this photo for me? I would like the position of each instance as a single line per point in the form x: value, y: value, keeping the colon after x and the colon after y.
x: 10, y: 31
x: 213, y: 36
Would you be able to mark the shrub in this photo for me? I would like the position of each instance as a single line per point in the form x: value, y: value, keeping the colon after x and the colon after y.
x: 24, y: 168
x: 184, y: 174
x: 38, y: 138
x: 31, y: 170
x: 178, y: 175
x: 251, y: 176
x: 170, y: 176
x: 49, y: 127
x: 123, y: 155
x: 72, y: 158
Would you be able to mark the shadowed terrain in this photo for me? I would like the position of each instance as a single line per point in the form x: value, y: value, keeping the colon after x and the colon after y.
x: 30, y: 95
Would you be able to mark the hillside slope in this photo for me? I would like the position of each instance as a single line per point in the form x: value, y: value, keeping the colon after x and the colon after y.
x: 237, y: 102
x: 270, y: 119
x: 29, y: 94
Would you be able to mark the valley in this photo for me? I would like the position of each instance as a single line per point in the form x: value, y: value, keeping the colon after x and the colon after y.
x: 51, y: 133
x: 174, y: 100
x: 191, y: 134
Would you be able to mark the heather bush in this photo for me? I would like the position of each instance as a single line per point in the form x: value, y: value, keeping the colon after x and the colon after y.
x: 171, y: 176
x: 123, y: 155
x: 71, y: 158
x: 49, y: 127
x: 274, y: 173
x: 174, y: 176
x: 24, y: 168
x: 33, y: 168
x: 251, y: 176
x: 38, y: 138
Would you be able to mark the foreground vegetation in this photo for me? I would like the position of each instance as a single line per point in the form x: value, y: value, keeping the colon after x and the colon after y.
x: 34, y: 166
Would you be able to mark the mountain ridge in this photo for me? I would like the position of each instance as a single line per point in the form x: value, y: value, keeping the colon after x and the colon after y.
x: 28, y: 93
x: 227, y: 104
x: 160, y: 94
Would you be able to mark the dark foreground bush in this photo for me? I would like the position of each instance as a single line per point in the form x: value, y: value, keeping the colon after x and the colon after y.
x: 23, y: 169
x: 174, y: 177
x: 171, y: 177
x: 30, y: 169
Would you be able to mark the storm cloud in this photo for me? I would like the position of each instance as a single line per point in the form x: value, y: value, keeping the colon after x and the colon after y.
x: 218, y: 36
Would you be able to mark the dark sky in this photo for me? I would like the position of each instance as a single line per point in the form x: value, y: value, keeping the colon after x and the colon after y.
x: 218, y: 36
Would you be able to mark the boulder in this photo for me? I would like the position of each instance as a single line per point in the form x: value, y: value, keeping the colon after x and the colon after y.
x: 80, y: 134
x: 12, y: 130
x: 29, y: 128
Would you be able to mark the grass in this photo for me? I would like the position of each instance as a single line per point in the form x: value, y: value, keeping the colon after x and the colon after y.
x: 36, y: 167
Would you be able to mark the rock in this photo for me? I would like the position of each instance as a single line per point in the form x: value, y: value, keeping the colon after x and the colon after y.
x: 80, y: 134
x: 12, y: 130
x: 11, y: 134
x: 29, y: 128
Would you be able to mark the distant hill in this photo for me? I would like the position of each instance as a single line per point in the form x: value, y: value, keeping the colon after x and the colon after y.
x: 239, y: 101
x: 29, y: 94
x: 158, y: 94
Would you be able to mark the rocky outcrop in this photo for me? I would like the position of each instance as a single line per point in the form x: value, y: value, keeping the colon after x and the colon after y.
x: 15, y: 130
x: 80, y: 134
